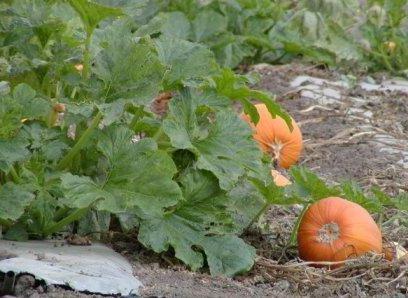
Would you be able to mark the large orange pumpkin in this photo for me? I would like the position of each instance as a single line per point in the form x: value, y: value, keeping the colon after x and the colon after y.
x: 334, y: 229
x: 275, y: 137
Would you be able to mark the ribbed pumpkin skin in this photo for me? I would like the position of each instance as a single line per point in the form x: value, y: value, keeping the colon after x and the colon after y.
x: 274, y: 132
x: 357, y: 234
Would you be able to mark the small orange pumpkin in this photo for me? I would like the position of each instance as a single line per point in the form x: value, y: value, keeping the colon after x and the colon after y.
x: 275, y: 137
x: 334, y: 229
x: 279, y: 179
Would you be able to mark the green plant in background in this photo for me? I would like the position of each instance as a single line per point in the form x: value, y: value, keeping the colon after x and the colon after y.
x: 371, y: 34
x: 386, y: 30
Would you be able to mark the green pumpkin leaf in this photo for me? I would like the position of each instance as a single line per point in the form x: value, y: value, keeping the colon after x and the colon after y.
x: 201, y: 221
x: 12, y: 151
x: 235, y: 87
x: 308, y: 186
x: 137, y: 175
x: 129, y: 69
x: 354, y: 193
x: 11, y: 114
x: 33, y: 108
x: 172, y: 24
x: 92, y: 13
x: 208, y: 23
x: 222, y: 142
x: 13, y: 201
x: 185, y: 60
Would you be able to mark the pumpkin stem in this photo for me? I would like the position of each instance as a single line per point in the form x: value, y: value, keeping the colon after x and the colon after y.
x: 293, y: 235
x: 275, y: 147
x: 329, y: 233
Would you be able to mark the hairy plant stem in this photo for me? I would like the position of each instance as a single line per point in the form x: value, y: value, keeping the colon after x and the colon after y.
x: 60, y: 213
x: 293, y: 235
x: 259, y: 214
x: 383, y: 56
x: 380, y: 220
x: 165, y: 145
x: 87, y: 56
x: 52, y: 118
x: 14, y: 175
x: 82, y: 142
x: 75, y: 215
x: 159, y: 133
x: 134, y: 121
x: 5, y: 223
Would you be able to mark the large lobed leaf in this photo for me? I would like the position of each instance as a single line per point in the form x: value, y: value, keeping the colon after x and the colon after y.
x: 137, y: 175
x: 13, y: 201
x: 12, y: 151
x: 92, y: 13
x: 129, y: 68
x: 200, y: 224
x: 186, y: 61
x: 222, y: 142
x: 235, y: 87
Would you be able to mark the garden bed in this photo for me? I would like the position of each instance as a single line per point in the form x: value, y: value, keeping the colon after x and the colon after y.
x: 330, y: 153
x: 179, y: 187
x: 341, y: 142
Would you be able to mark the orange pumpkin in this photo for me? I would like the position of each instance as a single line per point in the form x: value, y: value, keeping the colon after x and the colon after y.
x: 275, y: 137
x: 279, y: 179
x: 334, y: 229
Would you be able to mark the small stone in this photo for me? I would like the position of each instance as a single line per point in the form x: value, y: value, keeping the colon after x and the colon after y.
x: 281, y: 286
x: 34, y: 295
x: 23, y: 283
x: 40, y: 289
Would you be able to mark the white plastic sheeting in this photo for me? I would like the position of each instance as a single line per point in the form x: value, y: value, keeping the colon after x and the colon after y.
x: 95, y: 268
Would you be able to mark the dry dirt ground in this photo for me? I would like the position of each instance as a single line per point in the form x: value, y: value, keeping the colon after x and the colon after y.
x: 349, y: 133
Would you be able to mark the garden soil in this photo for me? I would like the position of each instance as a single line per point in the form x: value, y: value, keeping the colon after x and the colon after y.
x: 348, y: 134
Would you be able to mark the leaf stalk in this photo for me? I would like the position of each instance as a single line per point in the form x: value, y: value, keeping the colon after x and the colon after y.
x: 82, y: 142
